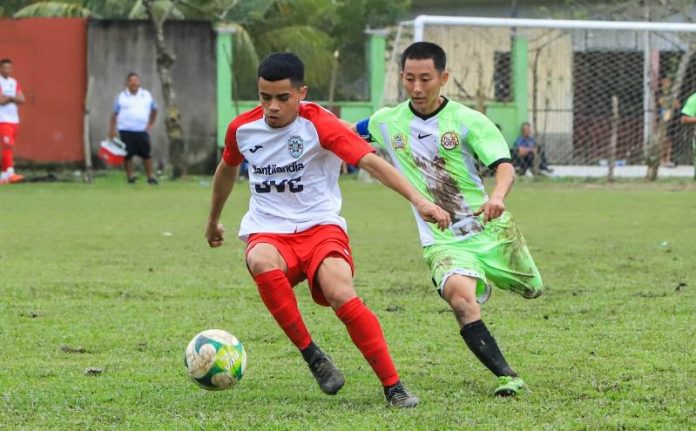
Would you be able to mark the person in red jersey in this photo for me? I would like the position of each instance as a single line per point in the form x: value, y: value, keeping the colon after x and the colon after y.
x: 293, y: 229
x: 10, y: 96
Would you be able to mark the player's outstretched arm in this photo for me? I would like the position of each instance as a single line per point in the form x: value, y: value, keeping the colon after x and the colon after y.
x: 390, y: 177
x: 495, y: 205
x: 223, y: 182
x: 685, y: 119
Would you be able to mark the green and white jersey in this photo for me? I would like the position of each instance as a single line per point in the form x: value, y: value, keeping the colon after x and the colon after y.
x: 689, y: 108
x: 437, y: 154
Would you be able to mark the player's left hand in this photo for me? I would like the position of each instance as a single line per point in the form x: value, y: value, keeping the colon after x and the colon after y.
x: 434, y: 214
x: 492, y: 209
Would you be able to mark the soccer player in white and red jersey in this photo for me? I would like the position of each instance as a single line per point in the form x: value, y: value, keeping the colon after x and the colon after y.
x: 293, y: 229
x: 10, y: 96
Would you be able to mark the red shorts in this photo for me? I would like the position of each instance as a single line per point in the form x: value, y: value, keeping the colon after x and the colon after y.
x: 8, y: 133
x: 303, y: 252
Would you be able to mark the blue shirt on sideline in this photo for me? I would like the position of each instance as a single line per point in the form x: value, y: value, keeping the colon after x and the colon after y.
x: 525, y: 142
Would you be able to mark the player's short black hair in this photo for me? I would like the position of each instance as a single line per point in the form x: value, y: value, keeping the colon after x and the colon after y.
x: 282, y: 65
x: 5, y: 61
x: 131, y: 74
x: 425, y: 51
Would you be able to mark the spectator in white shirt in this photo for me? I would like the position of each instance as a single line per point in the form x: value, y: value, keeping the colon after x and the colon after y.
x: 133, y: 115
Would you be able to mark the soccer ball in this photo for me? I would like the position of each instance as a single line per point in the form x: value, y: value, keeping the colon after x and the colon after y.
x: 215, y: 360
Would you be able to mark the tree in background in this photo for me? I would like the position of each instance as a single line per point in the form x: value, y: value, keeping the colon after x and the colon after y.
x: 353, y: 18
x: 314, y: 29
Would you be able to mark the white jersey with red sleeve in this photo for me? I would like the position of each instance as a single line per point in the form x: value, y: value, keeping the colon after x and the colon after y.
x: 8, y: 112
x: 293, y: 170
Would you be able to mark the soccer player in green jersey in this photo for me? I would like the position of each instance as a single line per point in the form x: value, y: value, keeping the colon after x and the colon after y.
x: 435, y: 142
x: 689, y: 110
x: 689, y: 117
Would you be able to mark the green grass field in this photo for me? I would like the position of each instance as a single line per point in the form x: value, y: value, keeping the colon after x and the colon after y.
x: 124, y: 273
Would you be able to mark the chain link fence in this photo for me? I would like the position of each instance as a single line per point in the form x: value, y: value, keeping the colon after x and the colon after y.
x: 595, y: 97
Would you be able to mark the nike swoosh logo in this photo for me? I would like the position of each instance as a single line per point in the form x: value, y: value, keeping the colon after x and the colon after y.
x: 255, y: 149
x: 424, y: 136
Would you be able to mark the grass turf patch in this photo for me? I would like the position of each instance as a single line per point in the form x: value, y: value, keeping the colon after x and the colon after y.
x: 120, y: 278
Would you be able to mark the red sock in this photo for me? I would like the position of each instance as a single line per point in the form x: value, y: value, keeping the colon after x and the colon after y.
x: 276, y: 293
x: 7, y: 161
x: 366, y: 333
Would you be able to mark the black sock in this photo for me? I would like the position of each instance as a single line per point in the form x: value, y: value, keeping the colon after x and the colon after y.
x: 483, y: 345
x: 308, y: 351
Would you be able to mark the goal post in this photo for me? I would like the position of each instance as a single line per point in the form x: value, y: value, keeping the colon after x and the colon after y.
x: 562, y: 75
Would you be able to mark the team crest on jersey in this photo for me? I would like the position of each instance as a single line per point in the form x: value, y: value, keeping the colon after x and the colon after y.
x: 398, y: 141
x: 449, y: 140
x: 295, y: 146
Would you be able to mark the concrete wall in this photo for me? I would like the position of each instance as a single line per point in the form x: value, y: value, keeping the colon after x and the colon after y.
x: 116, y: 48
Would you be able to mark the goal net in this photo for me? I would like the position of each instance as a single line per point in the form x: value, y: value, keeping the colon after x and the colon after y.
x: 595, y: 93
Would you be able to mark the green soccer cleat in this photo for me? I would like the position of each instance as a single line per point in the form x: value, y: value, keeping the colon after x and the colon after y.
x: 509, y: 386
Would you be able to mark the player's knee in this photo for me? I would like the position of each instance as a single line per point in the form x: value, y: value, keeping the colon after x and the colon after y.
x: 337, y: 295
x: 464, y: 305
x: 259, y: 266
x: 462, y: 299
x: 263, y: 258
x: 260, y: 263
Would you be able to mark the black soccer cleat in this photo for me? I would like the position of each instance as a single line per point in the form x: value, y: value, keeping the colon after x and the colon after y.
x: 152, y: 181
x: 398, y: 396
x: 323, y: 369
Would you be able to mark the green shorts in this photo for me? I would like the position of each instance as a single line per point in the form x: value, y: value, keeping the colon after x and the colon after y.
x: 498, y: 255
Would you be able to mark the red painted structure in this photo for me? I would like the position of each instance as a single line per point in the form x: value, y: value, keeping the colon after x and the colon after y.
x: 49, y: 59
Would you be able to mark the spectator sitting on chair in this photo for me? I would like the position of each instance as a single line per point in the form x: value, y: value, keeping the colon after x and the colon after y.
x: 525, y: 150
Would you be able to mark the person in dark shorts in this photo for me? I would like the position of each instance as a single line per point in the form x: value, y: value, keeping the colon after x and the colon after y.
x: 133, y: 115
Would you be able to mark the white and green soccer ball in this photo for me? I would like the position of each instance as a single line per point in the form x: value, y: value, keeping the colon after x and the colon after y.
x: 215, y: 360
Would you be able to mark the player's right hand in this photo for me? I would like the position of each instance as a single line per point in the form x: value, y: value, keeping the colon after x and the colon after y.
x: 434, y: 214
x: 214, y: 233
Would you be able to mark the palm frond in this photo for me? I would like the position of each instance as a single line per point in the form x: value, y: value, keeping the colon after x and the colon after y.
x: 160, y: 7
x: 215, y: 10
x: 245, y: 62
x: 110, y: 8
x: 56, y: 10
x: 247, y: 11
x: 313, y: 46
